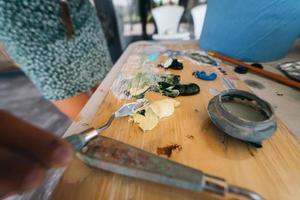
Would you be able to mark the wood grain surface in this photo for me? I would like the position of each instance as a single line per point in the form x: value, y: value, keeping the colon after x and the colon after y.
x: 273, y: 171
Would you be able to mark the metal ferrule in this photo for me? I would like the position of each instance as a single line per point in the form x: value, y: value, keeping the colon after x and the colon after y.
x: 88, y: 134
x: 219, y: 186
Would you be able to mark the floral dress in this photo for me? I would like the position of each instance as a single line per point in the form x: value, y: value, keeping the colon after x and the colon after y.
x: 34, y: 34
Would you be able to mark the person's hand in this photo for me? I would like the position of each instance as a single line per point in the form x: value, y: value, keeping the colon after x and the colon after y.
x: 26, y: 152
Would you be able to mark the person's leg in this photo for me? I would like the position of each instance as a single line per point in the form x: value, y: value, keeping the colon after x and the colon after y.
x: 72, y: 106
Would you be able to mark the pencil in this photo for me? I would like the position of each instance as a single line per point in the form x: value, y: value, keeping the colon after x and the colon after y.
x: 258, y: 71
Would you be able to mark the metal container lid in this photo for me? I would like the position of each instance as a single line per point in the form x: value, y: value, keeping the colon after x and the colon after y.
x: 260, y: 125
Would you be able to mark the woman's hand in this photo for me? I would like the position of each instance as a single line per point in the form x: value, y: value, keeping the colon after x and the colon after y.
x: 26, y: 152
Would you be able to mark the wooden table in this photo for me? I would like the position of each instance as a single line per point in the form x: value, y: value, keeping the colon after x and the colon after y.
x: 273, y: 171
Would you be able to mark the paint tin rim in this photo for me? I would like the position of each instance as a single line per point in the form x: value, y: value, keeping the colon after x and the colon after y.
x: 250, y: 131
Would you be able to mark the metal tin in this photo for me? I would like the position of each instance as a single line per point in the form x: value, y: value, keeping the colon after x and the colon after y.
x: 235, y: 126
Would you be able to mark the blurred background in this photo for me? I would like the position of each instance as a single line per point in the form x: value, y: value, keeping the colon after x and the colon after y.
x: 128, y: 21
x: 136, y: 21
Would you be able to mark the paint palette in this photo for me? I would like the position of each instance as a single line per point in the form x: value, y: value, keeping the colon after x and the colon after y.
x: 273, y: 171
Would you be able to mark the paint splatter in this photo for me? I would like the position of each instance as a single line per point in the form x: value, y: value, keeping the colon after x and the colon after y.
x: 203, y: 76
x: 225, y: 142
x: 202, y: 58
x: 241, y: 69
x: 254, y: 84
x: 168, y: 150
x: 222, y: 71
x: 171, y: 63
x: 206, y: 125
x: 190, y: 137
x: 152, y: 57
x: 250, y: 151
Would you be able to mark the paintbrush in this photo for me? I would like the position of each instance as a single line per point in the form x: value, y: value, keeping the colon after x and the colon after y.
x: 258, y: 71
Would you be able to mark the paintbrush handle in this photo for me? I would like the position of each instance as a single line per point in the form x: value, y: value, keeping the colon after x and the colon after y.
x: 258, y: 71
x: 78, y: 141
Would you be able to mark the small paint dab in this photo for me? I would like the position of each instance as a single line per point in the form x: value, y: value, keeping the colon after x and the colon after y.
x: 222, y: 70
x: 190, y: 137
x: 241, y: 69
x: 279, y: 94
x: 202, y: 75
x: 152, y: 57
x: 254, y: 84
x: 196, y: 110
x: 250, y: 151
x: 206, y: 124
x: 84, y: 149
x: 167, y: 150
x: 225, y: 142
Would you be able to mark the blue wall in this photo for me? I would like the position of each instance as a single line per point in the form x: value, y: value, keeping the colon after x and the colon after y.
x: 251, y: 30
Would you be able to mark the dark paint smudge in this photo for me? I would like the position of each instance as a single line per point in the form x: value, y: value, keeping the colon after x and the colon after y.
x: 206, y: 125
x: 254, y: 84
x: 167, y: 150
x: 225, y: 141
x: 249, y: 149
x: 190, y: 137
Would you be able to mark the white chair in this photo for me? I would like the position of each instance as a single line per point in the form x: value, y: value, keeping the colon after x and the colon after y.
x: 198, y: 14
x: 167, y: 20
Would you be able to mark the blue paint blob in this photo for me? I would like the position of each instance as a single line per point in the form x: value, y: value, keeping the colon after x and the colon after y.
x: 241, y: 69
x: 203, y: 76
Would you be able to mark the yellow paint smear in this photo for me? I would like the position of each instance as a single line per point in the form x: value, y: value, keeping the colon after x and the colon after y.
x: 154, y: 112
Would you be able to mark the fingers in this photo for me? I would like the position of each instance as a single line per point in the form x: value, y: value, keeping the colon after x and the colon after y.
x: 48, y: 149
x: 26, y: 152
x: 18, y: 173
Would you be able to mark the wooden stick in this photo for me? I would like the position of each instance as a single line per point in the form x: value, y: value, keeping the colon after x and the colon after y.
x: 258, y: 71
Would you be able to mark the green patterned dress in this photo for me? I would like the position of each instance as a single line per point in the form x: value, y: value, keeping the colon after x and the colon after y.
x: 35, y: 37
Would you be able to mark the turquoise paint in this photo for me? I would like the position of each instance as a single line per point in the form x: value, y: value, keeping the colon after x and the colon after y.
x: 152, y: 57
